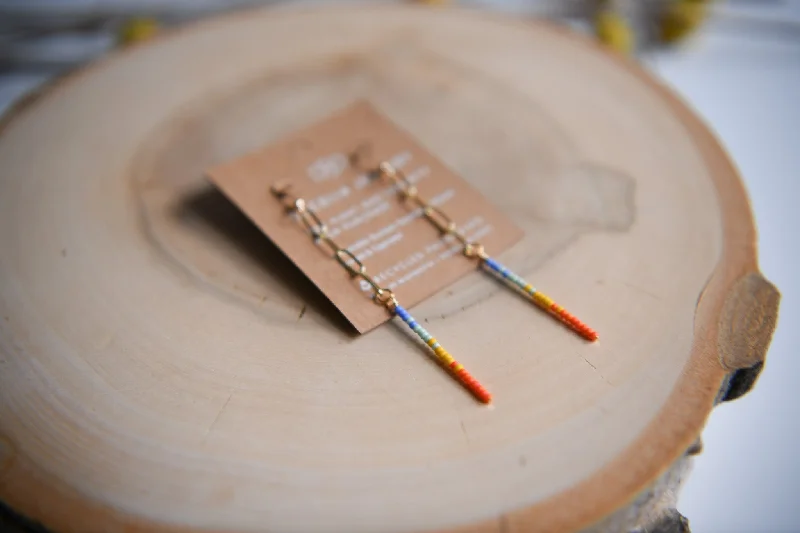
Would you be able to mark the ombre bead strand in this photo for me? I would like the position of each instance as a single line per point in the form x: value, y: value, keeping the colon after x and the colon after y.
x: 541, y: 300
x: 466, y: 379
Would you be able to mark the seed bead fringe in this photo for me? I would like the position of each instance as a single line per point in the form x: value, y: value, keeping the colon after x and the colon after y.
x: 541, y: 300
x: 466, y: 379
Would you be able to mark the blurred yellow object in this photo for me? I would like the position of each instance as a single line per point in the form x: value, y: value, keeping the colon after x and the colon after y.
x: 138, y: 30
x: 613, y: 31
x: 681, y: 18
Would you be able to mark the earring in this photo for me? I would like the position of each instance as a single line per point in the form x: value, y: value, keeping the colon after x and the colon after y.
x: 319, y: 233
x: 475, y: 250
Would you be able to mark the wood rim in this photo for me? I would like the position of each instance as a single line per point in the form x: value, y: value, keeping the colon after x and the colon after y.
x: 664, y: 441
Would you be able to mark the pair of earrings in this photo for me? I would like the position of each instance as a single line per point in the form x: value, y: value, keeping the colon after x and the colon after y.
x: 473, y: 250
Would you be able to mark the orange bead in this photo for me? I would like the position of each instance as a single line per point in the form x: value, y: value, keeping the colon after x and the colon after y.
x: 473, y: 386
x: 579, y: 327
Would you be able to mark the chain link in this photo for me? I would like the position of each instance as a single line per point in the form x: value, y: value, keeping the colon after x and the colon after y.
x: 346, y: 258
x: 436, y: 216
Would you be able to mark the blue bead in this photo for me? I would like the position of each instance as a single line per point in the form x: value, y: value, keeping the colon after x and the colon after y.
x: 402, y: 313
x: 494, y: 265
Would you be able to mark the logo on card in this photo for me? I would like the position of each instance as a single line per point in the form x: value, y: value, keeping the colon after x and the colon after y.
x: 327, y: 168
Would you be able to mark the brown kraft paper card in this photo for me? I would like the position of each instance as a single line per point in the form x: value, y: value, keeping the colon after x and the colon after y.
x: 401, y: 249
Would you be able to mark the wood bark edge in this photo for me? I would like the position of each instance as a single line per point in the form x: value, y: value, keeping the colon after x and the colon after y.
x: 748, y: 321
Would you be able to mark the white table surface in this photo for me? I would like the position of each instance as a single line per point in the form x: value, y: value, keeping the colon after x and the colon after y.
x: 746, y: 85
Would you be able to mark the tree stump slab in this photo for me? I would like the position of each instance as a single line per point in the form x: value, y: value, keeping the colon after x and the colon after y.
x: 163, y: 367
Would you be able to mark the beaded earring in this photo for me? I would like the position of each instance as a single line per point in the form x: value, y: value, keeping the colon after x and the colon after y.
x: 474, y: 250
x: 319, y: 233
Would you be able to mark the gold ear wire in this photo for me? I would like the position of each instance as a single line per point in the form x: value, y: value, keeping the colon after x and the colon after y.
x: 281, y: 188
x: 361, y: 155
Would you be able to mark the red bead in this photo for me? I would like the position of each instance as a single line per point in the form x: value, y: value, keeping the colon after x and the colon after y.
x: 579, y: 327
x: 474, y: 387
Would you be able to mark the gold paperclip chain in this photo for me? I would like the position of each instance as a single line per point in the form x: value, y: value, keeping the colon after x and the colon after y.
x: 436, y: 216
x: 319, y: 231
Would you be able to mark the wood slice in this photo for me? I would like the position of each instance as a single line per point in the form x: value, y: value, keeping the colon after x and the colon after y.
x: 165, y: 368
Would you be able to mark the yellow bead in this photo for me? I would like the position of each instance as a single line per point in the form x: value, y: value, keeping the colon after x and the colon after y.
x: 138, y: 30
x: 444, y: 355
x: 457, y: 367
x: 682, y: 18
x: 613, y: 31
x: 431, y: 342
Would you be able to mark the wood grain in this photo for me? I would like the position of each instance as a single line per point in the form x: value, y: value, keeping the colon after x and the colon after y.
x: 165, y: 368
